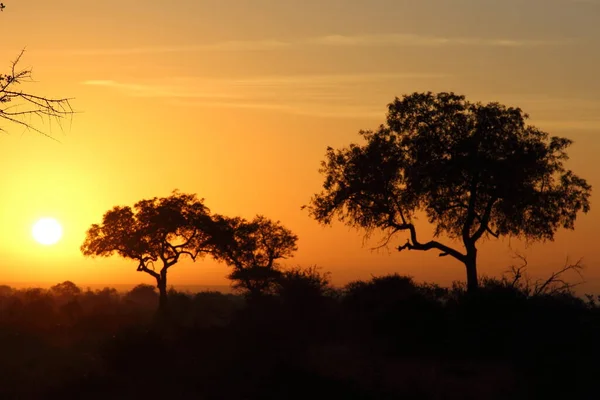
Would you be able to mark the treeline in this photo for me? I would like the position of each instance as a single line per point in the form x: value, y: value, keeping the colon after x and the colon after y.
x: 385, y: 338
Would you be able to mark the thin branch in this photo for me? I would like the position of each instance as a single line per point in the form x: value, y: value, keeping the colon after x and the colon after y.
x: 34, y: 106
x: 187, y: 240
x: 556, y: 284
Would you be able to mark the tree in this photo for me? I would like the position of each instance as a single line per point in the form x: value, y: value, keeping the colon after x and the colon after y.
x: 252, y: 248
x: 25, y: 105
x: 476, y: 170
x: 143, y: 295
x: 65, y: 289
x: 155, y: 230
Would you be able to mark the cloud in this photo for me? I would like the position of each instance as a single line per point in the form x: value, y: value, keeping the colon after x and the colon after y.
x: 308, y: 109
x: 234, y: 46
x: 154, y: 90
x: 347, y: 95
x: 332, y: 79
x: 390, y: 40
x: 204, y: 87
x: 421, y: 40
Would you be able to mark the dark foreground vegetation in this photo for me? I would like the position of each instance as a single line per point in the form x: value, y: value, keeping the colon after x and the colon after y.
x: 387, y: 338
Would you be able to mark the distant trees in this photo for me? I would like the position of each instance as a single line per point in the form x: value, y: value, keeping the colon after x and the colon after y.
x: 157, y: 230
x: 253, y: 248
x: 23, y: 104
x: 162, y: 230
x: 476, y: 170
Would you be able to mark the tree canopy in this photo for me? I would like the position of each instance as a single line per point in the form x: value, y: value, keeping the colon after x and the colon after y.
x: 253, y: 248
x: 475, y: 170
x: 154, y: 230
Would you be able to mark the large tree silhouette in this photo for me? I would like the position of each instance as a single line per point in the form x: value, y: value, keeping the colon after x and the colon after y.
x: 476, y: 171
x: 158, y: 230
x: 252, y: 249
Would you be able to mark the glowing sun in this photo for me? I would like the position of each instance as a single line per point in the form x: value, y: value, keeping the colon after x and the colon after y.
x: 47, y: 231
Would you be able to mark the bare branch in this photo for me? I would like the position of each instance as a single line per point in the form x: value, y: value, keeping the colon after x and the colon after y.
x: 556, y: 284
x: 26, y: 105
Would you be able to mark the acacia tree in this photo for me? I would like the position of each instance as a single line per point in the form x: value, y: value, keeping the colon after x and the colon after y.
x: 253, y: 248
x: 158, y: 230
x: 476, y: 171
x: 19, y: 106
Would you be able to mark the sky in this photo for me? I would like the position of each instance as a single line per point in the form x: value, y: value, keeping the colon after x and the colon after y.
x: 237, y: 101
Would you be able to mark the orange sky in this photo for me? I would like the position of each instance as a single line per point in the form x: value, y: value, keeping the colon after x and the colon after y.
x: 237, y: 100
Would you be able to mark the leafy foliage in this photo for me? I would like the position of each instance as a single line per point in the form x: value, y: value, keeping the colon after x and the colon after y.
x: 476, y: 170
x: 253, y: 249
x: 155, y: 230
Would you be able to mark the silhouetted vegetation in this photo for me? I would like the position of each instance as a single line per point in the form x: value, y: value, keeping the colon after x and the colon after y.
x: 156, y: 230
x: 385, y: 338
x: 252, y: 249
x: 20, y: 106
x: 477, y: 171
x: 166, y: 229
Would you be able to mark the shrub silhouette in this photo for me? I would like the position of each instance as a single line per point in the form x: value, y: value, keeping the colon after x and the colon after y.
x: 388, y: 337
x: 143, y: 295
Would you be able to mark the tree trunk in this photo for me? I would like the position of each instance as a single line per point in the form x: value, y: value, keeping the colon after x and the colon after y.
x: 162, y: 289
x: 471, y: 265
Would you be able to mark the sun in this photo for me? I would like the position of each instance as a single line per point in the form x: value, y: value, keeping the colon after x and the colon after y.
x: 47, y: 231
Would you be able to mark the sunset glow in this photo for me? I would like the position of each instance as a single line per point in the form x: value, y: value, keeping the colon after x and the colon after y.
x: 47, y: 231
x: 237, y: 101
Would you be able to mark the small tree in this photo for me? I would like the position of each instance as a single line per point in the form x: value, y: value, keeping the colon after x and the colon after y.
x: 155, y: 230
x: 476, y: 170
x: 65, y: 289
x: 252, y: 248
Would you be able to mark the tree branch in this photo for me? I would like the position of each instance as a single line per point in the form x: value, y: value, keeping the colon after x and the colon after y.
x: 414, y: 244
x: 485, y: 220
x: 38, y: 106
x: 143, y: 267
x: 187, y: 241
x: 555, y: 284
x: 471, y: 213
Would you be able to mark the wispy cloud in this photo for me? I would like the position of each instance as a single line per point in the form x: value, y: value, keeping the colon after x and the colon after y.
x: 153, y: 90
x: 348, y: 95
x: 332, y: 110
x: 240, y: 45
x: 331, y: 79
x: 390, y: 40
x: 358, y: 95
x: 421, y: 40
